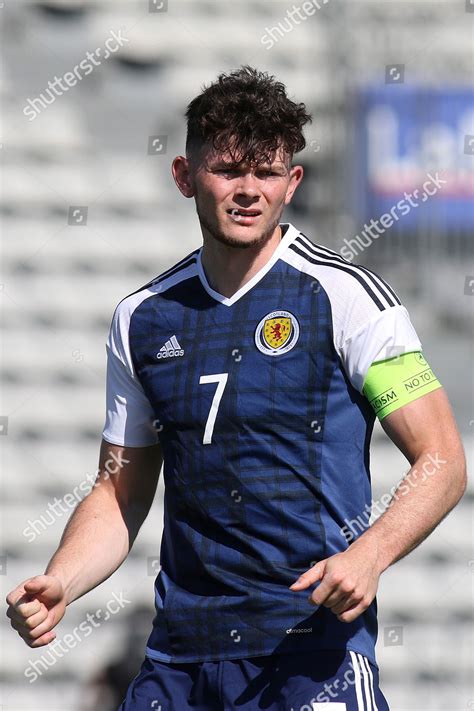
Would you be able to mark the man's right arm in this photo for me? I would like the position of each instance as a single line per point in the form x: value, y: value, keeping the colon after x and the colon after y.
x: 95, y: 542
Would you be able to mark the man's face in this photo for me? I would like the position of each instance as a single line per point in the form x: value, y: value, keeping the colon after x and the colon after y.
x: 238, y: 204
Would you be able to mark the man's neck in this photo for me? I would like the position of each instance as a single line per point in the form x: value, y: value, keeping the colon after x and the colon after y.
x: 227, y: 269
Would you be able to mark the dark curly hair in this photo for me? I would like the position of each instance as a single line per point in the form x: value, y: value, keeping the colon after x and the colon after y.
x: 248, y: 114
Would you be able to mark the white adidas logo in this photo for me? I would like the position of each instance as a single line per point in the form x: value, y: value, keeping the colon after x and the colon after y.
x: 170, y: 349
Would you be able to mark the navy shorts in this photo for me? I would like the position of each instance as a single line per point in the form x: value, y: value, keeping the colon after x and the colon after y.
x: 307, y: 681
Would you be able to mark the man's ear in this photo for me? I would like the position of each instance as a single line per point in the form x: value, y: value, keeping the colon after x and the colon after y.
x: 296, y: 176
x: 181, y: 171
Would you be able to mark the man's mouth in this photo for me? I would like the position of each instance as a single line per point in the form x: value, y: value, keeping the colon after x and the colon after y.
x: 242, y: 215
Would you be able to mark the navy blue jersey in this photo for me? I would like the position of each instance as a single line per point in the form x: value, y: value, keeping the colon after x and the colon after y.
x: 256, y: 401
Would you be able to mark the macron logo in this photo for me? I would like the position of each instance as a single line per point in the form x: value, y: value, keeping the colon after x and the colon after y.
x: 170, y: 349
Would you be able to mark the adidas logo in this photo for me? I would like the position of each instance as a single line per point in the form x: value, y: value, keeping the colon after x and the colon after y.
x: 170, y: 349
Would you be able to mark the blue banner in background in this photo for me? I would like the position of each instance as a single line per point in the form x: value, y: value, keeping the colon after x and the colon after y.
x: 415, y: 156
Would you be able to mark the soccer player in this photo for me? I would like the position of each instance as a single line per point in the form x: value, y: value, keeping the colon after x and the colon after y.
x: 254, y: 369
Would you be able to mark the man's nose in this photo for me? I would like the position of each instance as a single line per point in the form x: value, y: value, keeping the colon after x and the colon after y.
x: 247, y: 185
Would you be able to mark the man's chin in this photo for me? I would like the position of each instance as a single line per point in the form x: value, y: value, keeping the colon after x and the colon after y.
x: 244, y: 236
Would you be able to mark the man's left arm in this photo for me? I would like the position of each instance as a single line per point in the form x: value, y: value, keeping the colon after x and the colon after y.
x: 425, y: 431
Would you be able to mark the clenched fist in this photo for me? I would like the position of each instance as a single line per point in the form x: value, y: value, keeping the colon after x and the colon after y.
x: 35, y: 607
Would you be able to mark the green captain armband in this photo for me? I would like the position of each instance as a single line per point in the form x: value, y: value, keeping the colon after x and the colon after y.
x: 392, y: 383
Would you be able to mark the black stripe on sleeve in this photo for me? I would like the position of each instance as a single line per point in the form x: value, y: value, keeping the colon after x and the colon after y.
x: 383, y: 288
x: 343, y: 268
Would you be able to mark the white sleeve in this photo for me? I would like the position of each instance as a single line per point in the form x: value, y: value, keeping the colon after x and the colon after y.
x: 385, y: 335
x: 369, y: 322
x: 129, y: 415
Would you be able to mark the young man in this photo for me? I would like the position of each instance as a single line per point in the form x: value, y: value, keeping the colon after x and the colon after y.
x: 255, y: 367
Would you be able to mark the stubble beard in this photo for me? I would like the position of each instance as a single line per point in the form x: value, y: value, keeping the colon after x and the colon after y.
x: 231, y: 241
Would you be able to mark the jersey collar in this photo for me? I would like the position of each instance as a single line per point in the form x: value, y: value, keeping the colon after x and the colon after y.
x: 290, y: 234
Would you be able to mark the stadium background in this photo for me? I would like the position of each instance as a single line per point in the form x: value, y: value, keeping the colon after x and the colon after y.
x: 388, y: 84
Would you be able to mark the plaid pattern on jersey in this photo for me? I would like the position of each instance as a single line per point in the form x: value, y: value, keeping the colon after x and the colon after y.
x: 287, y: 462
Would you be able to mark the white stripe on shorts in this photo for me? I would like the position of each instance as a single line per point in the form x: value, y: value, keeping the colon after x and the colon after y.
x: 371, y: 681
x: 365, y: 677
x: 357, y: 681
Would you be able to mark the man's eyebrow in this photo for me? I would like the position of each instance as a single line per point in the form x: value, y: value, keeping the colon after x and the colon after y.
x: 225, y: 164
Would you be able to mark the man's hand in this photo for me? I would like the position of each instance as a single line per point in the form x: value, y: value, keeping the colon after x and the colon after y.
x: 349, y: 581
x: 35, y: 607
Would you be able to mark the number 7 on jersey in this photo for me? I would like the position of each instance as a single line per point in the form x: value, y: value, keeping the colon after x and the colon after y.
x: 221, y: 380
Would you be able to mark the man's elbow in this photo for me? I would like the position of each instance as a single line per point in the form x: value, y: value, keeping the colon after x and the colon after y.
x: 462, y: 476
x: 447, y: 461
x: 458, y: 471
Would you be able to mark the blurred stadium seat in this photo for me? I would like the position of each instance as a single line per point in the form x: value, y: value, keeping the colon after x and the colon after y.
x: 61, y: 281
